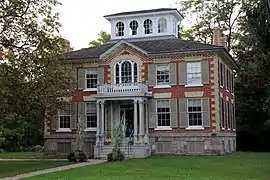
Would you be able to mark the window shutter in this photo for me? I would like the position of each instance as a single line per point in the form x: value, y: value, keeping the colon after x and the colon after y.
x: 81, y: 111
x: 225, y: 78
x: 152, y: 114
x: 225, y: 112
x: 206, y: 112
x: 220, y: 113
x: 182, y: 74
x: 151, y: 74
x: 100, y: 75
x: 73, y: 113
x: 173, y: 108
x: 183, y: 113
x: 172, y: 73
x: 205, y: 72
x: 81, y: 78
x: 54, y: 120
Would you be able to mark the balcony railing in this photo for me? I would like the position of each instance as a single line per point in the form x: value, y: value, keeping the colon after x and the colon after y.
x: 125, y: 88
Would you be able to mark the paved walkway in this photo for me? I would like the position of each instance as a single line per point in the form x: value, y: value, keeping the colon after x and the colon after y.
x: 33, y: 159
x: 61, y: 168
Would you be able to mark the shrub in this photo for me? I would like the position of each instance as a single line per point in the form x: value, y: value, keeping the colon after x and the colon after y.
x: 77, y: 156
x: 2, y: 150
x: 116, y: 156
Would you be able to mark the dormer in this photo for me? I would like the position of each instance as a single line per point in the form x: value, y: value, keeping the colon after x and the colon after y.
x: 146, y: 23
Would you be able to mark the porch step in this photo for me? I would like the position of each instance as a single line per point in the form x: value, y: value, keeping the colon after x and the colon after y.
x: 108, y: 149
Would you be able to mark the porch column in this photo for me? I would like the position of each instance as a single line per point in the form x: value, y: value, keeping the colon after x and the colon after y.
x: 111, y: 109
x: 141, y: 135
x: 102, y: 120
x: 135, y: 134
x: 146, y: 138
x: 98, y: 123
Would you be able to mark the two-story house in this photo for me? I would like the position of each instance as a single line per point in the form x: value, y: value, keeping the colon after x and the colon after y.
x: 175, y: 96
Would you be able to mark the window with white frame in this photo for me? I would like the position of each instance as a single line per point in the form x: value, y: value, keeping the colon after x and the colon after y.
x: 126, y: 72
x: 91, y: 115
x: 162, y: 25
x: 133, y: 28
x: 194, y: 112
x: 163, y: 113
x: 119, y: 29
x: 163, y: 75
x: 148, y: 26
x: 64, y: 118
x: 194, y: 73
x: 91, y: 78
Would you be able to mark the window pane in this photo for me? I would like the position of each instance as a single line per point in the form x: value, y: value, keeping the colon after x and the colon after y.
x: 163, y: 112
x: 194, y: 73
x: 64, y: 122
x: 163, y: 77
x: 91, y: 78
x: 91, y: 121
x: 194, y: 112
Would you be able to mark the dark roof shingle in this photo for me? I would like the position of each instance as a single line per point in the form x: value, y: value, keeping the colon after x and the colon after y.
x: 142, y: 12
x: 150, y: 46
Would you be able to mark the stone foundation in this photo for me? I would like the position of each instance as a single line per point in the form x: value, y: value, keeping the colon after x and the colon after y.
x: 60, y: 146
x: 192, y: 144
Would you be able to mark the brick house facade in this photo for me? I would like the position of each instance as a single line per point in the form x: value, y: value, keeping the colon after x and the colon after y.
x: 176, y: 96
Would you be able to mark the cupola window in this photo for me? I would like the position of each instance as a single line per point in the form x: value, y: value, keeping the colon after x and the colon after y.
x: 148, y: 26
x: 133, y: 27
x: 119, y: 29
x: 162, y: 25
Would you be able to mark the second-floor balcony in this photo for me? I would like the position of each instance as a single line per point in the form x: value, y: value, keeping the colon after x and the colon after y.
x: 122, y: 89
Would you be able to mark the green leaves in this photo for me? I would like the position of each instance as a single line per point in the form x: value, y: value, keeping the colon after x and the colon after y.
x: 103, y: 38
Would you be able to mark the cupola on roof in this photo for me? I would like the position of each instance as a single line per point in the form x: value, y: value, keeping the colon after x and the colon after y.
x: 156, y: 23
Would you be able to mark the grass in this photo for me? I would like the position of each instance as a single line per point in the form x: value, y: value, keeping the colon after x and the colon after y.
x: 22, y: 155
x: 237, y: 166
x: 11, y: 168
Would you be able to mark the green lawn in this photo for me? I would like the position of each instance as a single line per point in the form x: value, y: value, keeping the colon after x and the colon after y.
x: 11, y: 168
x: 238, y: 166
x: 22, y: 155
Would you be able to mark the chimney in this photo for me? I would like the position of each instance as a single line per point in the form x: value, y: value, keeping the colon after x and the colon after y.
x: 223, y: 41
x: 216, y: 36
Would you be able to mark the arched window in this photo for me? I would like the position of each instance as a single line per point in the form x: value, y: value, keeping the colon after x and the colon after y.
x: 133, y: 27
x: 126, y: 72
x: 148, y: 26
x: 119, y: 29
x: 162, y: 25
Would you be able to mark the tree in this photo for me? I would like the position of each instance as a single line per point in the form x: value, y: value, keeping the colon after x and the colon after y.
x: 103, y: 38
x: 31, y: 76
x: 253, y: 78
x: 209, y: 14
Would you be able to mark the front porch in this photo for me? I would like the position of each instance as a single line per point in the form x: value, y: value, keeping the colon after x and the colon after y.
x: 135, y: 113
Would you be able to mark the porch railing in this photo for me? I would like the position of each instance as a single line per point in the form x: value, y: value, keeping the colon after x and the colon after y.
x: 122, y: 88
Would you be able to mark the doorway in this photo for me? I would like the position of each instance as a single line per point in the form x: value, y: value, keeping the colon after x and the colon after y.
x: 127, y: 111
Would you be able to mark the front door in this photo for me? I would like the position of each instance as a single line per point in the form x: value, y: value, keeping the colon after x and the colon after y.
x: 127, y: 111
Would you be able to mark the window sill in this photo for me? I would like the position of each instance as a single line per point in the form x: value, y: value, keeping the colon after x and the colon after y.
x: 162, y: 86
x: 229, y: 129
x: 227, y: 90
x: 194, y: 85
x: 64, y: 130
x: 90, y: 129
x: 223, y: 128
x: 221, y: 87
x: 195, y: 128
x: 163, y: 128
x: 90, y: 89
x: 233, y: 129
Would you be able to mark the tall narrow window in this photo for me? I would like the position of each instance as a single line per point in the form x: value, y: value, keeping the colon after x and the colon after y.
x: 228, y: 114
x: 64, y: 117
x: 227, y: 79
x: 91, y: 115
x: 163, y: 112
x: 194, y: 73
x: 163, y: 77
x: 222, y: 113
x: 194, y: 112
x: 162, y: 25
x: 91, y: 78
x: 133, y: 27
x: 126, y: 72
x: 148, y: 26
x: 119, y: 29
x: 221, y: 69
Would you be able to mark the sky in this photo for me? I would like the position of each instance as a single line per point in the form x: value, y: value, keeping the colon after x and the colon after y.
x: 82, y: 20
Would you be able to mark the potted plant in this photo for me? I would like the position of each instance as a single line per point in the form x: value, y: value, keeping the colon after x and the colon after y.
x: 107, y: 141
